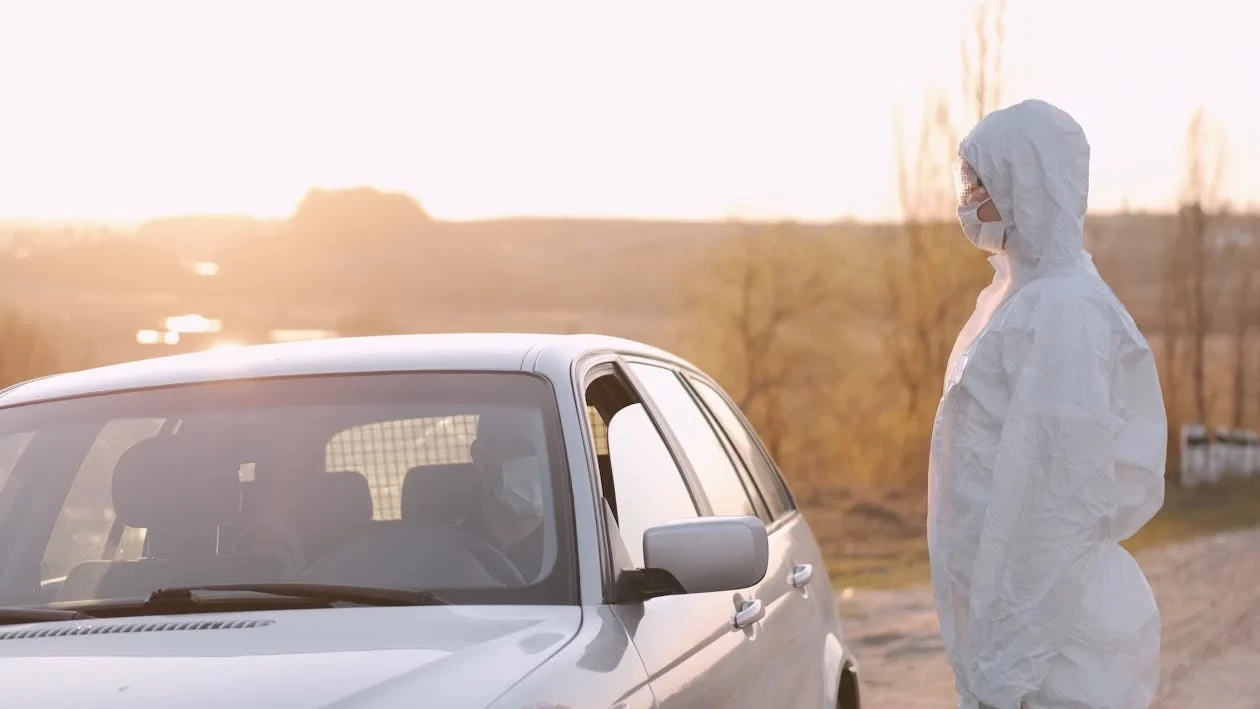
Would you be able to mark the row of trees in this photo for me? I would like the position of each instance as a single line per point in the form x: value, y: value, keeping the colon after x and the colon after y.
x: 27, y: 350
x: 836, y: 345
x: 1209, y: 316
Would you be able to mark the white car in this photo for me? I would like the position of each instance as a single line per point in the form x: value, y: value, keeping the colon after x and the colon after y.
x: 447, y: 521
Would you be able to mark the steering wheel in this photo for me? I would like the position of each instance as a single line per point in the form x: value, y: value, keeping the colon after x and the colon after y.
x: 362, y: 555
x: 262, y: 536
x: 496, y: 563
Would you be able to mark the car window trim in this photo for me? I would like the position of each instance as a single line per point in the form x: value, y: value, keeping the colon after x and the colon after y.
x: 752, y: 493
x: 789, y: 500
x: 751, y: 488
x: 700, y: 500
x: 688, y: 371
x: 585, y: 371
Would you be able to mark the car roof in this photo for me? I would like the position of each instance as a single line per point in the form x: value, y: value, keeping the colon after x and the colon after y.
x: 348, y: 355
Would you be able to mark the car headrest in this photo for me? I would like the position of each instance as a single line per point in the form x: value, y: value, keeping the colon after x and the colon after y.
x: 344, y: 498
x: 168, y: 483
x: 441, y: 494
x: 500, y: 439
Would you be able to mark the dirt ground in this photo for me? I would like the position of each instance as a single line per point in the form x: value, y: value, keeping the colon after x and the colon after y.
x: 1208, y: 591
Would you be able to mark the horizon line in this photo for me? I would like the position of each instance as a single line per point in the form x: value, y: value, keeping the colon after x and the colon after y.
x: 130, y: 223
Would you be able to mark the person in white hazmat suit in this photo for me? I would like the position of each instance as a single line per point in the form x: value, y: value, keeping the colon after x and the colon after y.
x: 1049, y: 443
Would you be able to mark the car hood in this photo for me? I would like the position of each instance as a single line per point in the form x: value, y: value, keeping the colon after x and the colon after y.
x: 442, y: 656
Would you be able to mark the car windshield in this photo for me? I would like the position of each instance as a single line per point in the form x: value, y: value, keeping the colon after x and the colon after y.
x: 447, y: 482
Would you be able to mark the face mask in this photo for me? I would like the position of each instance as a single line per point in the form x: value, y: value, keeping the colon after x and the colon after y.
x: 522, y: 487
x: 988, y: 236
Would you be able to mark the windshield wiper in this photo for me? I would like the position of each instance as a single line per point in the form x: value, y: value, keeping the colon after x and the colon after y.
x: 190, y: 598
x: 19, y: 616
x: 213, y: 598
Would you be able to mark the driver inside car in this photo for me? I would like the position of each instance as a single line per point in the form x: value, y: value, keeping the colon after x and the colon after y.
x: 509, y: 469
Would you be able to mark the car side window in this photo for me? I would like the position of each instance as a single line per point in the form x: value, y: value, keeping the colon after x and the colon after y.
x: 641, y: 481
x: 773, y: 489
x: 721, y: 481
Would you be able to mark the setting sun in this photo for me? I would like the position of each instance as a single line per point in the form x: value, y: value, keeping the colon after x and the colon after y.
x: 694, y: 110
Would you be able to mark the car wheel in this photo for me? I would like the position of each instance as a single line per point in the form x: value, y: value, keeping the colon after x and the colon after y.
x: 848, y: 697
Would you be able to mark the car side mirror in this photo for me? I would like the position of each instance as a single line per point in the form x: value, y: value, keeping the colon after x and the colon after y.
x: 706, y: 554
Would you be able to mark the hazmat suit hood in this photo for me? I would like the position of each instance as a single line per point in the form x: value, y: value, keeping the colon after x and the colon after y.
x: 1047, y: 451
x: 1033, y: 159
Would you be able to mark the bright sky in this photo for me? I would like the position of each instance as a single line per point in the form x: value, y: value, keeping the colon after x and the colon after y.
x: 656, y: 108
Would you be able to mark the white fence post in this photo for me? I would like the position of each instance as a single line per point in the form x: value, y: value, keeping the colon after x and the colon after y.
x: 1251, y: 457
x: 1239, y: 451
x: 1219, y: 455
x: 1194, y: 454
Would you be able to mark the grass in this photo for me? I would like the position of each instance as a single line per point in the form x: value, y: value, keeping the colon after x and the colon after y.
x: 871, y: 539
x: 1233, y: 504
x: 877, y: 540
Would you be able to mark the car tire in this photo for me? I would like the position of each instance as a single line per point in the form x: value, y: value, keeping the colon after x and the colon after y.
x: 848, y: 697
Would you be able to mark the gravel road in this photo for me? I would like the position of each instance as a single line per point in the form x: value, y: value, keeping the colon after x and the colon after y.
x: 1208, y: 591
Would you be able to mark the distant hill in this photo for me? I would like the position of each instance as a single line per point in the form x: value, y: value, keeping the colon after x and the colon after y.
x: 379, y: 260
x: 363, y: 216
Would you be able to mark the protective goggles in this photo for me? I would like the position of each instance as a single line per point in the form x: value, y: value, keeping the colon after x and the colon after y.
x: 966, y: 181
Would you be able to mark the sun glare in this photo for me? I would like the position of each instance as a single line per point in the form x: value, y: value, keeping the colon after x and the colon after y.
x: 566, y: 114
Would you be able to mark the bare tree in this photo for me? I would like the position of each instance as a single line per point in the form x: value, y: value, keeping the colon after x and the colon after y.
x: 1173, y: 324
x: 767, y: 321
x: 1242, y: 262
x: 982, y: 59
x: 1201, y: 196
x: 26, y: 350
x: 927, y: 272
x: 932, y: 275
x: 1186, y: 296
x: 1252, y: 309
x: 1244, y: 316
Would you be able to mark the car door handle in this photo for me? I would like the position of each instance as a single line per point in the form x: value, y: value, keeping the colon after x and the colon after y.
x: 749, y: 613
x: 801, y: 575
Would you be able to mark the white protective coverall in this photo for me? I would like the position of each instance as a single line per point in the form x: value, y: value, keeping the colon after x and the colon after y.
x: 1048, y: 449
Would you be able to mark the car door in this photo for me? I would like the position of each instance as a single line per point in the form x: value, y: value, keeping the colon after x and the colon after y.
x: 797, y: 588
x: 728, y: 491
x: 694, y: 653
